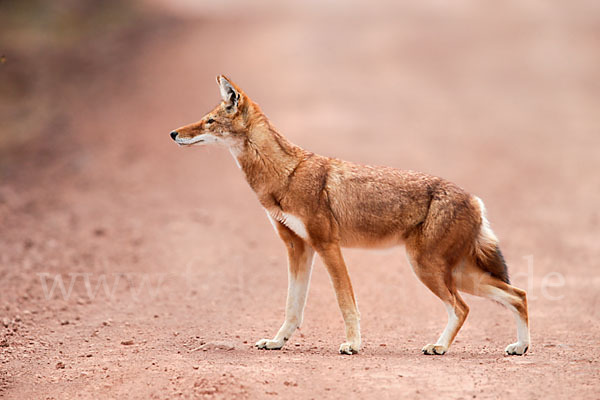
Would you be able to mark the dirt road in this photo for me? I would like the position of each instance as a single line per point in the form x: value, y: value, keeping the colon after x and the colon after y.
x: 171, y: 271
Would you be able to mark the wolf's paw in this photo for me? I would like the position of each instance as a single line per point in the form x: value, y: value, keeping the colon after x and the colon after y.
x: 269, y: 344
x: 349, y: 348
x: 436, y: 349
x: 516, y: 349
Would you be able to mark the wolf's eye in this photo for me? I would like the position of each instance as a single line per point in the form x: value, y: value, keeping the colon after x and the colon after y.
x: 210, y: 121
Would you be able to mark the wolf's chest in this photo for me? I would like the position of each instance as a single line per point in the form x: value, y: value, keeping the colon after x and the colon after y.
x: 291, y: 221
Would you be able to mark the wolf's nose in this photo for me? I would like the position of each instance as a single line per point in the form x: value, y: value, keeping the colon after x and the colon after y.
x: 174, y: 135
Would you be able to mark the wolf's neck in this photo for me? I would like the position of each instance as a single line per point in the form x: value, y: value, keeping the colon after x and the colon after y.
x: 267, y: 159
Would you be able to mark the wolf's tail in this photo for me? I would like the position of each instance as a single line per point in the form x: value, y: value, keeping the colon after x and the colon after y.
x: 487, y: 254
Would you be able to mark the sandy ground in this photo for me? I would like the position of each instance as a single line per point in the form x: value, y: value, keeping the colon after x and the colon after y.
x: 171, y: 270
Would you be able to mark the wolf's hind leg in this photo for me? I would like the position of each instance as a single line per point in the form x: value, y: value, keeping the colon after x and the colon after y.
x: 434, y: 273
x: 472, y: 280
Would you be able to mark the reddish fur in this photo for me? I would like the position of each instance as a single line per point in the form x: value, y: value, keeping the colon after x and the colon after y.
x: 343, y: 204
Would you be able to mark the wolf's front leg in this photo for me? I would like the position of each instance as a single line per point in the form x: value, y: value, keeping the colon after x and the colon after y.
x: 300, y: 260
x: 334, y: 261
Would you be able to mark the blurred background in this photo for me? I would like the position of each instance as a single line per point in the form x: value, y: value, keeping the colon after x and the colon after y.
x: 502, y: 98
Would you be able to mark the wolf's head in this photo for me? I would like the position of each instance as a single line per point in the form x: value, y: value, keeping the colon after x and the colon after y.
x: 225, y: 124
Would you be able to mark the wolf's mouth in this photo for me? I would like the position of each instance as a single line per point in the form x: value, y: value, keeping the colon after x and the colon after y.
x: 189, y: 142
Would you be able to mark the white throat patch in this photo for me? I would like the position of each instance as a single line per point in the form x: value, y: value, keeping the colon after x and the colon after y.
x: 235, y: 152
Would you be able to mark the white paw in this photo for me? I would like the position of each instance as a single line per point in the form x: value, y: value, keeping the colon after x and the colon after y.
x: 349, y: 348
x: 269, y: 344
x: 516, y: 349
x: 434, y: 349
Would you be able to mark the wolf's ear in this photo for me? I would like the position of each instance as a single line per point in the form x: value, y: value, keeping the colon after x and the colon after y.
x: 230, y: 95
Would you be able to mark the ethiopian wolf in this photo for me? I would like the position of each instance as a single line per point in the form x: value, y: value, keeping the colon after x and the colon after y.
x: 320, y: 204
